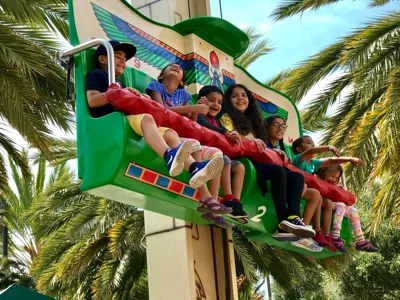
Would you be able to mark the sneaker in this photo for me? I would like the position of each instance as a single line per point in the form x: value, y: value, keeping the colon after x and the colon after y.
x: 294, y: 225
x: 320, y: 239
x: 307, y: 244
x: 283, y: 236
x: 176, y: 158
x: 237, y: 210
x: 206, y: 170
x: 365, y: 246
x: 338, y: 243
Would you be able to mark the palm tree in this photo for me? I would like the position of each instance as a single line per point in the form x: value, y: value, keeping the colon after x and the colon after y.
x: 365, y: 92
x: 90, y: 247
x: 22, y: 240
x: 32, y: 83
x: 258, y: 47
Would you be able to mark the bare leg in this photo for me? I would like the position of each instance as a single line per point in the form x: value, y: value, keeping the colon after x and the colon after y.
x: 152, y: 136
x: 328, y: 207
x: 304, y: 190
x: 226, y: 180
x: 312, y: 196
x: 197, y: 155
x: 237, y: 180
x: 316, y: 219
x: 205, y: 194
x: 171, y: 138
x: 213, y: 185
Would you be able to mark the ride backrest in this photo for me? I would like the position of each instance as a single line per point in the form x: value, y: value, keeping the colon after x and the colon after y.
x: 131, y: 77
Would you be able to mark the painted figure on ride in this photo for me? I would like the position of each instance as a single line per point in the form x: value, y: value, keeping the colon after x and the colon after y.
x: 216, y: 74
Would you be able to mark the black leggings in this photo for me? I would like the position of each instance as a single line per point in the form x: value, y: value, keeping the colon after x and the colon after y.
x: 286, y: 189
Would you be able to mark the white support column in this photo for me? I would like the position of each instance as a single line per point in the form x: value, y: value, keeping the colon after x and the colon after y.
x: 188, y: 261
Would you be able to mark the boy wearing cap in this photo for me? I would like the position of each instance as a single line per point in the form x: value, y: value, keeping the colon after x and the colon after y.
x: 164, y: 141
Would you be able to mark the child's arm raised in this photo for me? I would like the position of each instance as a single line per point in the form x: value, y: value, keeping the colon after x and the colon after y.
x: 339, y: 160
x: 306, y: 155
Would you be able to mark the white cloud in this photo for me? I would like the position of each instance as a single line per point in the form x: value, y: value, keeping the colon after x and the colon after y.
x: 264, y: 27
x: 243, y: 25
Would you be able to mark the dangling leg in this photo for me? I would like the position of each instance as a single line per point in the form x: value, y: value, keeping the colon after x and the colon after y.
x: 340, y: 211
x: 361, y: 243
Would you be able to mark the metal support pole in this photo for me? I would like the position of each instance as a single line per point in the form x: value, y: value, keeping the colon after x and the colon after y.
x: 5, y: 241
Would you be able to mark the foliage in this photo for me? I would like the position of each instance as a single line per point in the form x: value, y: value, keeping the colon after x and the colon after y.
x: 364, y: 93
x: 11, y: 272
x: 258, y: 47
x: 31, y: 80
x: 375, y: 276
x: 293, y: 7
x: 91, y: 247
x: 365, y: 276
x: 22, y: 240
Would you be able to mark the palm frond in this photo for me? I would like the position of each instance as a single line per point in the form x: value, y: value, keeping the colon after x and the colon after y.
x: 290, y: 8
x: 258, y: 48
x: 376, y: 3
x: 49, y: 14
x: 278, y: 80
x: 312, y: 70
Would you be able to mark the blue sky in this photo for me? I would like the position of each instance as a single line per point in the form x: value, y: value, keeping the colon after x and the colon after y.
x: 296, y: 38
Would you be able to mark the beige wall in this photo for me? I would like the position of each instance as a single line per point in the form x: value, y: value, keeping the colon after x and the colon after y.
x: 172, y: 11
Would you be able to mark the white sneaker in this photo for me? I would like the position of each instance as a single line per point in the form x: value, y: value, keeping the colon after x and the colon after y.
x: 307, y: 244
x: 284, y: 236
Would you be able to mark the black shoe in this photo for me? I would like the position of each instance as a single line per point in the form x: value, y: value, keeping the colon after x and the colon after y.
x: 294, y: 225
x: 238, y: 214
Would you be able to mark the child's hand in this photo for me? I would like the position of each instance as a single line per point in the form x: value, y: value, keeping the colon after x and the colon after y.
x: 283, y: 155
x: 201, y: 109
x: 236, y: 135
x: 334, y: 151
x: 145, y: 96
x: 357, y: 162
x: 260, y: 145
x: 135, y: 91
x: 202, y: 100
x: 233, y: 136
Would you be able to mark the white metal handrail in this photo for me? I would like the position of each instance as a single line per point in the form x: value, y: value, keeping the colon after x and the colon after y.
x: 90, y: 44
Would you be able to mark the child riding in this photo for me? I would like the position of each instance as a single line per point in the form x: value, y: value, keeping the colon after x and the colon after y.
x: 243, y: 116
x: 276, y: 127
x: 332, y: 174
x: 164, y: 141
x: 169, y: 91
x: 305, y: 151
x: 232, y: 175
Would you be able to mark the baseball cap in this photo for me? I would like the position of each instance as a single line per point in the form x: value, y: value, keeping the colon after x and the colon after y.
x: 129, y: 49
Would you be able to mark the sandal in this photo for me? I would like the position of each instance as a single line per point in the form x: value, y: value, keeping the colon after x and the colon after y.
x: 216, y: 220
x: 207, y: 207
x: 339, y: 244
x: 367, y: 247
